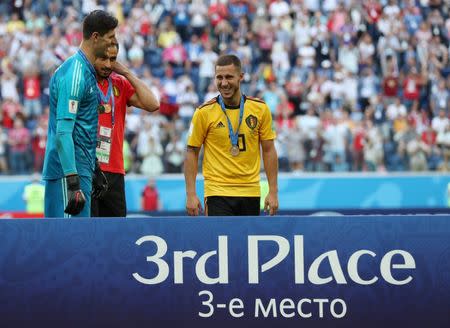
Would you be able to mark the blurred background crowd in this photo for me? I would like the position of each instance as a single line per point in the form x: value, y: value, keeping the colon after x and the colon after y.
x: 352, y: 85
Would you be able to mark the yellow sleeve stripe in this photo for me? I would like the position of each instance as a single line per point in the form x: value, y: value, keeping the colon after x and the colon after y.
x: 255, y: 99
x: 209, y: 102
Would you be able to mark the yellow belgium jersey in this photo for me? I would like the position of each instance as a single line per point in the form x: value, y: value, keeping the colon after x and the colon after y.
x: 224, y: 174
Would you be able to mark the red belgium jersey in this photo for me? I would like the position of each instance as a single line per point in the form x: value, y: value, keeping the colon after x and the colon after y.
x: 122, y: 90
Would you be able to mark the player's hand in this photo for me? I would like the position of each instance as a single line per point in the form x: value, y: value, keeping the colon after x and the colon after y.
x: 99, y: 183
x: 119, y: 68
x: 75, y: 195
x: 193, y: 205
x: 271, y: 203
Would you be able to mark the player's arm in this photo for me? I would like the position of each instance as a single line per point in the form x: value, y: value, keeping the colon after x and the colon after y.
x: 66, y: 152
x: 191, y: 169
x: 65, y: 145
x: 270, y: 159
x: 69, y: 93
x: 193, y: 205
x: 196, y: 136
x: 143, y: 97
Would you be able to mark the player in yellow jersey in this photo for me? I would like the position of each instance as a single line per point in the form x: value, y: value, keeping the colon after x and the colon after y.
x: 232, y: 129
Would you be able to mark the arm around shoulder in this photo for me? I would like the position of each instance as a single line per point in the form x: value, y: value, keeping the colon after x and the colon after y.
x: 143, y: 97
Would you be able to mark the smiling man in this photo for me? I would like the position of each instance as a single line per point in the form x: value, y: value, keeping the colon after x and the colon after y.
x: 232, y: 129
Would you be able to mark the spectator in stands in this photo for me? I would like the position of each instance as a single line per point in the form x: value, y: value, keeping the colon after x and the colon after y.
x: 392, y: 38
x: 8, y: 89
x: 295, y: 147
x: 440, y: 98
x: 395, y: 110
x: 3, y: 151
x: 19, y: 145
x: 150, y: 198
x: 152, y: 164
x: 443, y: 141
x: 188, y: 100
x: 358, y: 145
x: 272, y: 97
x: 390, y: 85
x: 38, y: 142
x: 336, y: 134
x: 373, y: 148
x: 412, y: 85
x: 418, y: 152
x: 175, y: 154
x: 32, y: 94
x: 441, y: 122
x: 207, y: 59
x: 198, y: 11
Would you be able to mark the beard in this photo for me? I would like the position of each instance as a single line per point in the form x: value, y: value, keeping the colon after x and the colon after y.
x: 105, y: 74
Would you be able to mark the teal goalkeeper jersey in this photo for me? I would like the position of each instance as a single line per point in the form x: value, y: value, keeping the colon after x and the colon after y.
x: 73, y: 96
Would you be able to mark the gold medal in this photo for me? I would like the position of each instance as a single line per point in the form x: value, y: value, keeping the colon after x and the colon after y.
x: 107, y: 108
x: 234, y: 150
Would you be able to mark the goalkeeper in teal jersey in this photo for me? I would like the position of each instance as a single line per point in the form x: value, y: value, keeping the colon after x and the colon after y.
x: 72, y: 128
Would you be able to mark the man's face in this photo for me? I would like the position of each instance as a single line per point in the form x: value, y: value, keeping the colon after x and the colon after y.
x: 101, y: 43
x: 104, y: 64
x: 228, y: 79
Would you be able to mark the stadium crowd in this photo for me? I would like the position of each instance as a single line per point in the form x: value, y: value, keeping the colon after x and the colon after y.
x: 352, y: 85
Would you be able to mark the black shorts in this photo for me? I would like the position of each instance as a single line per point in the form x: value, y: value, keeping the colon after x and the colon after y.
x: 232, y: 206
x: 113, y: 202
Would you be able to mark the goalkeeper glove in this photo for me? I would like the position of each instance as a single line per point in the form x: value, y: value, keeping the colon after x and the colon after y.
x: 99, y: 182
x: 75, y: 195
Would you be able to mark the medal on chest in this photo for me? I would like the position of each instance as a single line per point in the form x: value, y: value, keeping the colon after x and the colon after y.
x: 234, y: 150
x: 107, y: 108
x: 234, y: 135
x: 107, y: 102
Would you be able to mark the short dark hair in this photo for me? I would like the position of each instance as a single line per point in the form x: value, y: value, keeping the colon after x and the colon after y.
x: 98, y: 21
x: 226, y: 60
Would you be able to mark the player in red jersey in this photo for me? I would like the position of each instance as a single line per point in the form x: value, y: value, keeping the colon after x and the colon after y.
x: 119, y: 88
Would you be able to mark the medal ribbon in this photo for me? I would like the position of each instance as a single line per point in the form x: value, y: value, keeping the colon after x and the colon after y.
x: 109, y: 95
x: 105, y: 99
x: 234, y: 136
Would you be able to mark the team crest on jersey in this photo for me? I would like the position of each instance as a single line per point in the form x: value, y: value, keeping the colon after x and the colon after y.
x: 116, y: 91
x: 251, y: 121
x: 73, y: 106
